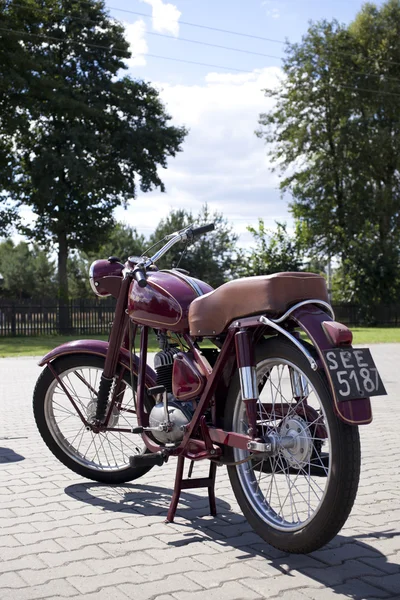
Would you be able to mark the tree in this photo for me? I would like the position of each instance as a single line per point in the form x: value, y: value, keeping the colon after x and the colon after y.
x: 274, y: 251
x: 92, y: 138
x: 211, y: 257
x: 123, y: 241
x: 15, y: 63
x: 27, y: 270
x: 335, y: 131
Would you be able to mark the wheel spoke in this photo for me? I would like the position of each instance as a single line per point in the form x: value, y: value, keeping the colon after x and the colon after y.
x: 82, y: 429
x: 284, y: 488
x: 105, y: 451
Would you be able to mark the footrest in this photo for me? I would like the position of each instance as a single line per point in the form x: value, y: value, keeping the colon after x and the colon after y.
x: 147, y: 460
x: 137, y: 430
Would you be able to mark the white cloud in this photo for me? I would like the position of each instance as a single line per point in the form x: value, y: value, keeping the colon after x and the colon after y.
x: 272, y: 9
x: 223, y: 162
x: 165, y: 17
x: 135, y: 36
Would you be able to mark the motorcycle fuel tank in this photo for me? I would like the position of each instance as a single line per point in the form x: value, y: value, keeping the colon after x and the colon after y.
x: 164, y: 302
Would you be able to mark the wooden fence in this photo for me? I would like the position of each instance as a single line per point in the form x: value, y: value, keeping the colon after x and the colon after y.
x: 42, y: 317
x: 21, y: 318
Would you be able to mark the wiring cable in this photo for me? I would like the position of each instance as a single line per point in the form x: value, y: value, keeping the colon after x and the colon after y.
x: 180, y: 60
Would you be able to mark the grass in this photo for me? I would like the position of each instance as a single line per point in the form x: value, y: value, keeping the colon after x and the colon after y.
x: 376, y: 335
x: 38, y: 346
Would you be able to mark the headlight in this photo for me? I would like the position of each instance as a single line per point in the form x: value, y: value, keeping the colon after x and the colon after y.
x: 102, y: 277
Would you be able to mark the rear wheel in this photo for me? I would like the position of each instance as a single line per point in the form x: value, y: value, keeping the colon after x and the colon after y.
x: 298, y: 499
x: 102, y: 456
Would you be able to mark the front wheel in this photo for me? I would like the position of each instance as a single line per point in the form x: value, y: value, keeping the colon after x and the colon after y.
x: 102, y: 456
x: 298, y: 499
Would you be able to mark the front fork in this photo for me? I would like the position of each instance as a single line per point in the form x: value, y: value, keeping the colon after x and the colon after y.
x: 117, y: 334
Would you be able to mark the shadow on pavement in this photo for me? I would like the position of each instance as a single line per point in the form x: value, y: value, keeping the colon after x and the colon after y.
x: 143, y: 499
x: 348, y: 564
x: 8, y: 456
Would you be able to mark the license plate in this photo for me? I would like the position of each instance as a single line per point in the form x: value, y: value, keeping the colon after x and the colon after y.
x: 354, y: 374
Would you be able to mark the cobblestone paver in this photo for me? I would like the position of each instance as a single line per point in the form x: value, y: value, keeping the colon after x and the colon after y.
x: 62, y: 536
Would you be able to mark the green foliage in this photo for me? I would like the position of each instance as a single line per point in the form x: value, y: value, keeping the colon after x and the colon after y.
x: 211, y: 257
x: 77, y: 140
x: 123, y: 241
x: 8, y: 216
x: 335, y: 131
x: 273, y: 252
x: 28, y: 272
x: 78, y: 276
x: 14, y: 62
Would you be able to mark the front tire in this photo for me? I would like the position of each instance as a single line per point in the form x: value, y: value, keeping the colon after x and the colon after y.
x: 103, y: 456
x: 300, y: 498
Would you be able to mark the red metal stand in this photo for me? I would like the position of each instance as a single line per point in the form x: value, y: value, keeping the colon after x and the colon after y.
x: 184, y: 484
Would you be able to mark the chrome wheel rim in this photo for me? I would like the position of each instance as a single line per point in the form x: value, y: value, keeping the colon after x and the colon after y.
x: 108, y: 451
x: 285, y: 490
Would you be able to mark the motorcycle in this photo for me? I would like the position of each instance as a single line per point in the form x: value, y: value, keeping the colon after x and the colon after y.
x: 255, y: 375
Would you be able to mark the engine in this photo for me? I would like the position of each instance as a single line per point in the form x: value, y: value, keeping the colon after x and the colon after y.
x: 179, y: 412
x: 179, y: 415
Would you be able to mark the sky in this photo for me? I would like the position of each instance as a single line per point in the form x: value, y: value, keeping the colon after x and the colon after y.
x: 223, y: 163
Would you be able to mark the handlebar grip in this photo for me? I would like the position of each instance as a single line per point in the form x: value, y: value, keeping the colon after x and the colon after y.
x: 203, y: 229
x: 140, y: 277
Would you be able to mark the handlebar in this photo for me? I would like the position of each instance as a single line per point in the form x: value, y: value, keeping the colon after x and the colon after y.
x: 203, y: 229
x: 188, y: 233
x: 179, y: 236
x: 140, y: 275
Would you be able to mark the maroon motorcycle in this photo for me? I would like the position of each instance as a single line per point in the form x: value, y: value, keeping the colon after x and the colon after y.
x: 255, y: 375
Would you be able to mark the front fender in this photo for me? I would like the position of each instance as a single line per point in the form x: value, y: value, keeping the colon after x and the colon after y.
x: 98, y: 348
x: 310, y: 318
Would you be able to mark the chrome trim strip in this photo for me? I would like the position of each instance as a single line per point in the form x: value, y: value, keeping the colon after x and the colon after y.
x: 195, y: 287
x: 248, y: 383
x: 291, y: 337
x: 315, y: 301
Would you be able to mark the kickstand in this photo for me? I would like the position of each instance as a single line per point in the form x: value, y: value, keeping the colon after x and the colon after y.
x: 184, y: 484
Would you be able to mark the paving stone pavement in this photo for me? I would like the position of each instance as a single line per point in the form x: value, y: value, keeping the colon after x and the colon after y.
x: 62, y: 536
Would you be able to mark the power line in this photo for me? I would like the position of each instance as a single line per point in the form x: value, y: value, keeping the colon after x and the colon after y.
x: 153, y: 33
x: 86, y: 20
x: 239, y: 33
x: 193, y: 62
x: 59, y: 39
x: 147, y: 16
x: 199, y: 42
x: 214, y: 45
x: 124, y: 51
x: 374, y: 91
x: 180, y: 60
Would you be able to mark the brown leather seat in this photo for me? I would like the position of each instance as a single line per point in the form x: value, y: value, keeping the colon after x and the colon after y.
x: 270, y: 294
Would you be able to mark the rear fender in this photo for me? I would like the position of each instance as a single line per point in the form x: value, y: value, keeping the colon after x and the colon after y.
x: 310, y: 319
x: 98, y: 348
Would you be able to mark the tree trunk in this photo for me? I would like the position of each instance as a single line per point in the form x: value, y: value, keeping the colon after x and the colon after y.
x: 64, y: 325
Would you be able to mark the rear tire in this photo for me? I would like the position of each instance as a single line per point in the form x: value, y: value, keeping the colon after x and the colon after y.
x: 285, y: 503
x: 104, y: 456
